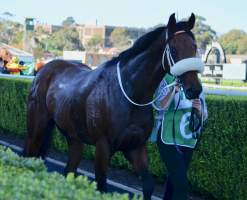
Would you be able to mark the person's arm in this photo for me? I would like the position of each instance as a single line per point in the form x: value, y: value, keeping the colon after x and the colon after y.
x: 164, y: 101
x: 169, y: 96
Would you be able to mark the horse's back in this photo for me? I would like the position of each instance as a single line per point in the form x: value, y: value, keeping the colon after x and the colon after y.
x: 57, y: 69
x: 59, y: 66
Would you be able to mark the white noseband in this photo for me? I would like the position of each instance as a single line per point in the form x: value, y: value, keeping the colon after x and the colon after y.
x: 185, y: 65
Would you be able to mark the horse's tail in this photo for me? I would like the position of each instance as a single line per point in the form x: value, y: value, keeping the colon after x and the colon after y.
x: 39, y: 123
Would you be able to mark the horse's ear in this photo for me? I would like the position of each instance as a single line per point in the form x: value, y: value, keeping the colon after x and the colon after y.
x: 171, y: 25
x: 191, y: 21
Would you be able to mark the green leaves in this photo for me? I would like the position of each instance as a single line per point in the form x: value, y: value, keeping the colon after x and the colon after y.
x: 120, y: 38
x: 7, y: 157
x: 69, y: 21
x: 27, y: 179
x: 204, y: 33
x: 234, y: 42
x: 94, y: 43
x: 66, y: 38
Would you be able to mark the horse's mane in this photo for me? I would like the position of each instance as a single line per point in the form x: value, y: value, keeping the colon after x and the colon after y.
x: 139, y: 46
x: 142, y: 43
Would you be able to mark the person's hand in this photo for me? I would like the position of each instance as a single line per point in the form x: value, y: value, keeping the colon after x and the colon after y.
x: 196, y: 103
x: 177, y: 88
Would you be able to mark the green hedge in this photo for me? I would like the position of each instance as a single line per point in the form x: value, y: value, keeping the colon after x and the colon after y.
x: 219, y: 167
x: 28, y: 179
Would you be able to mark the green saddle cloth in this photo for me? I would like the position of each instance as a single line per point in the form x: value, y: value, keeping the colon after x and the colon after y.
x: 183, y: 135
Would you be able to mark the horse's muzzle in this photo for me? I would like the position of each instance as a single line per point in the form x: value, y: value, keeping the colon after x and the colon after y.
x: 193, y: 93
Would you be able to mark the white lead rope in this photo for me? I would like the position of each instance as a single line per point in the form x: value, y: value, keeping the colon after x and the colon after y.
x: 168, y: 102
x: 126, y: 96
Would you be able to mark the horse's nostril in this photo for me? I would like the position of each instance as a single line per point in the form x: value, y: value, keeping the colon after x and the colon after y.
x: 193, y: 93
x: 189, y: 94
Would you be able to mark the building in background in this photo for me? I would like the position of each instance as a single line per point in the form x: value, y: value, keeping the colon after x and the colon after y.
x: 86, y: 32
x: 91, y: 59
x: 48, y: 28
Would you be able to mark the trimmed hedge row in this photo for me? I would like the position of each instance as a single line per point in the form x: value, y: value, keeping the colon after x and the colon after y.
x: 219, y: 167
x: 28, y: 179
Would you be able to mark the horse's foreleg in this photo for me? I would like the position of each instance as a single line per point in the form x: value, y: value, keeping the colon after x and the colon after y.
x: 75, y: 155
x: 139, y: 160
x: 102, y: 157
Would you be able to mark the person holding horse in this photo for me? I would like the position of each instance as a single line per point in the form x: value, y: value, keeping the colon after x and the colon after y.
x: 178, y: 123
x: 110, y: 107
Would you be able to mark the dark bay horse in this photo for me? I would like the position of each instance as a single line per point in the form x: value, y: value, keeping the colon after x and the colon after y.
x: 89, y: 107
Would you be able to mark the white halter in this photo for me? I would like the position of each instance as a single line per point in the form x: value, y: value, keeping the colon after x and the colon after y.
x: 176, y: 69
x: 182, y: 66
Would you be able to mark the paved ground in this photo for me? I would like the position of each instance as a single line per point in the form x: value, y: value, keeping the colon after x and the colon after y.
x: 119, y: 180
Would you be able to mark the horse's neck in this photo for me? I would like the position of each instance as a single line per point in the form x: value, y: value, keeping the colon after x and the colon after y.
x: 143, y: 75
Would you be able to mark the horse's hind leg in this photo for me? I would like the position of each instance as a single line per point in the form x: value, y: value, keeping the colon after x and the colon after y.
x: 138, y: 159
x: 39, y: 128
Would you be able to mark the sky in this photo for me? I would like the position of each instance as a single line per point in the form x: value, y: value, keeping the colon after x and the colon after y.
x: 221, y: 15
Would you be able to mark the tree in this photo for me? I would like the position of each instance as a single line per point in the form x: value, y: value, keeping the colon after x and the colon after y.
x: 234, y: 42
x: 8, y: 14
x: 94, y: 43
x: 119, y: 38
x: 68, y: 21
x: 9, y: 30
x: 17, y: 40
x: 38, y: 52
x: 204, y: 33
x: 65, y: 39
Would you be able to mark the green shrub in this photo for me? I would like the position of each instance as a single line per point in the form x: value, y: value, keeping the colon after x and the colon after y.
x: 28, y: 179
x: 219, y: 167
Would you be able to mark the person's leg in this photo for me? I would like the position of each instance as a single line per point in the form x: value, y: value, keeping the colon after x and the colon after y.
x: 168, y: 189
x: 188, y: 153
x: 176, y: 164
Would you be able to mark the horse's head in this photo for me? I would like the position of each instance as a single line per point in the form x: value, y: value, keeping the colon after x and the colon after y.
x: 179, y: 57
